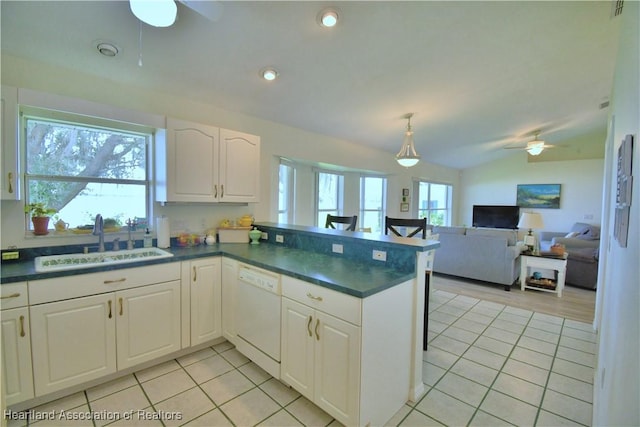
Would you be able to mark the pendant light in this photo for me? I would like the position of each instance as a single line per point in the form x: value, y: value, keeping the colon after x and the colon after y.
x: 407, y: 155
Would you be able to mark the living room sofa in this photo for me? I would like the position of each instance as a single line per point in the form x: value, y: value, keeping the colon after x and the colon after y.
x: 487, y: 254
x: 582, y: 244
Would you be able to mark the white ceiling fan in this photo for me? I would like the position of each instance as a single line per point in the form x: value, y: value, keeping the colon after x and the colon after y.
x: 534, y: 147
x: 163, y: 13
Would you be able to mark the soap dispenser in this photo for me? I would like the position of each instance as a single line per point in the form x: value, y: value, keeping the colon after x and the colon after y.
x: 148, y: 240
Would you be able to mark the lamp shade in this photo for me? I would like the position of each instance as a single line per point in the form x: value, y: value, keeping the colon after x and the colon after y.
x: 407, y: 156
x: 531, y: 221
x: 158, y: 13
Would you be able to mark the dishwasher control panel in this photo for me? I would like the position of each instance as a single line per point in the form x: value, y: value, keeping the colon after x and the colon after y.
x: 260, y: 279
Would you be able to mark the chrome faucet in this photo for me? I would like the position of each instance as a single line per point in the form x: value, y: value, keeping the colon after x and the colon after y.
x: 98, y: 230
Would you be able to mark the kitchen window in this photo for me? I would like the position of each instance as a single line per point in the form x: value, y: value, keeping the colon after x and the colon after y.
x: 286, y: 191
x: 434, y: 202
x: 373, y: 196
x: 329, y: 196
x: 82, y: 166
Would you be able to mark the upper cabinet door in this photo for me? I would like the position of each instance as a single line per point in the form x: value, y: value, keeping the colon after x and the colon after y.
x: 191, y: 163
x: 9, y: 144
x: 239, y: 167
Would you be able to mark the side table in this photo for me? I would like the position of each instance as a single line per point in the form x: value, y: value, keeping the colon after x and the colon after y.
x: 557, y: 263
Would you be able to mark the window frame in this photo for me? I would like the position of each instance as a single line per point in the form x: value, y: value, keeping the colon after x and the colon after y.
x: 339, y: 195
x: 290, y: 197
x: 383, y: 209
x: 82, y: 120
x: 421, y: 213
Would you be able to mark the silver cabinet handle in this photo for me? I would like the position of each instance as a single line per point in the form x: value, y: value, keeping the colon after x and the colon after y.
x: 16, y: 295
x: 309, y: 326
x: 108, y: 282
x: 215, y: 191
x: 313, y: 297
x: 110, y: 315
x: 317, y: 325
x: 10, y: 179
x: 195, y: 274
x: 221, y: 191
x: 120, y: 306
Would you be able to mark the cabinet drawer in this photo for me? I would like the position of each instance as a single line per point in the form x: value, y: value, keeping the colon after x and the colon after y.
x: 61, y: 288
x: 343, y: 306
x: 13, y: 295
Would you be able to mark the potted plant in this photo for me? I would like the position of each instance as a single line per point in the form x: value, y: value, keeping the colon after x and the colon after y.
x: 39, y: 217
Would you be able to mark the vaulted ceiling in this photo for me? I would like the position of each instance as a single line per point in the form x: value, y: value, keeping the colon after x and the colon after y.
x: 478, y: 76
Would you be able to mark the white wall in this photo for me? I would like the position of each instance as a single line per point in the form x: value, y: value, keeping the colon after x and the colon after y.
x: 495, y: 184
x: 277, y: 140
x: 616, y: 384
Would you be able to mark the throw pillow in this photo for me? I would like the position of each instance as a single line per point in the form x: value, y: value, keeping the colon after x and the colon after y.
x: 571, y: 234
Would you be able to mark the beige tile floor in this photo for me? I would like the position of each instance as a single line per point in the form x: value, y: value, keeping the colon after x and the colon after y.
x: 487, y: 365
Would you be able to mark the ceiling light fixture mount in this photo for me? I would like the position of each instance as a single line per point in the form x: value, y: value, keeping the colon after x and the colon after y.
x: 328, y: 18
x: 269, y: 73
x: 407, y: 155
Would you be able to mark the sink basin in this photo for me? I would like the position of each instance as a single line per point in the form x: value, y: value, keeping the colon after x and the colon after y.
x: 74, y: 261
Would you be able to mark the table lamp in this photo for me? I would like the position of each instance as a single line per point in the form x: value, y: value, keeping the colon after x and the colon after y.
x: 530, y: 220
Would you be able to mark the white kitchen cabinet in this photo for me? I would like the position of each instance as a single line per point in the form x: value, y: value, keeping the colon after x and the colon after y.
x: 229, y: 286
x: 10, y: 175
x: 73, y: 341
x: 321, y: 353
x: 147, y: 323
x: 90, y: 325
x: 15, y: 343
x: 201, y: 163
x: 204, y: 277
x: 239, y: 167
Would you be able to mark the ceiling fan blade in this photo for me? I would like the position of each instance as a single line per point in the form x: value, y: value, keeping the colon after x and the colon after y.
x: 210, y: 9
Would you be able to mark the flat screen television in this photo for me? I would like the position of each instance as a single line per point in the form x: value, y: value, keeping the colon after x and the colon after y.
x: 496, y: 216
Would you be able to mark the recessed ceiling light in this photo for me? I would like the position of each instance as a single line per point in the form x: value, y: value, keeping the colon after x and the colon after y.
x: 107, y: 49
x: 269, y: 73
x: 328, y: 18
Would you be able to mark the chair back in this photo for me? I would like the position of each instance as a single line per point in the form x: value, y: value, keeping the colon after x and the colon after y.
x: 348, y: 221
x: 419, y: 225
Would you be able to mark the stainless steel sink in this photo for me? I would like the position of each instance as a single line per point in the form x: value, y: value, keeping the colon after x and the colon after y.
x: 47, y: 263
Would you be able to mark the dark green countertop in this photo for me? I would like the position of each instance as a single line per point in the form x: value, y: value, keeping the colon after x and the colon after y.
x: 334, y: 272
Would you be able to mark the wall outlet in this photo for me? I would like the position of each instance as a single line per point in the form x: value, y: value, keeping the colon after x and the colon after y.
x: 379, y: 255
x: 337, y: 248
x: 264, y: 235
x: 279, y: 238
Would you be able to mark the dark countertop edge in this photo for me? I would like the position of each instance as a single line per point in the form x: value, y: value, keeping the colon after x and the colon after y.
x: 186, y: 254
x: 419, y: 245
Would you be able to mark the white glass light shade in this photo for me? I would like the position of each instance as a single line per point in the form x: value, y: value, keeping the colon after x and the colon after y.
x: 158, y: 13
x: 407, y: 155
x: 535, y: 148
x: 531, y: 221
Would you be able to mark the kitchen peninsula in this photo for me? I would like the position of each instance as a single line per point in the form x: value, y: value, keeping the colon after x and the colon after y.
x: 382, y: 301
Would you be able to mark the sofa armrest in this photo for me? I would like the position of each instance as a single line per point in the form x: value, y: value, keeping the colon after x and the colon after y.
x: 571, y: 242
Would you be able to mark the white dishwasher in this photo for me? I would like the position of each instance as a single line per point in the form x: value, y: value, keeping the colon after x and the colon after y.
x: 258, y: 317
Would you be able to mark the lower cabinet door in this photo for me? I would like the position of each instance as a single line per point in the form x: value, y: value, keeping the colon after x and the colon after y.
x: 296, y: 367
x: 229, y: 285
x: 148, y: 322
x: 15, y: 342
x: 337, y: 367
x: 206, y: 304
x: 73, y: 341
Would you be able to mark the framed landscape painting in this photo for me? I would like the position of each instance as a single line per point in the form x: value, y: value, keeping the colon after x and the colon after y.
x: 541, y: 196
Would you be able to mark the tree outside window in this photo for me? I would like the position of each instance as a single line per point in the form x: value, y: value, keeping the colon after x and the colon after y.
x: 81, y: 170
x: 434, y: 202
